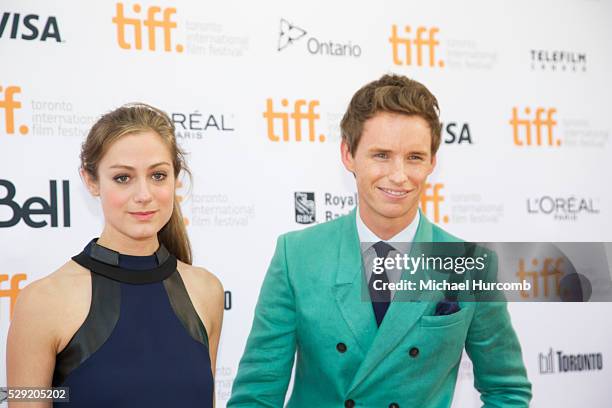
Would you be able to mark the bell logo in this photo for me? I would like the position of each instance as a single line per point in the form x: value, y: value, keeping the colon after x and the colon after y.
x: 152, y: 23
x: 432, y: 195
x: 13, y: 291
x: 425, y: 38
x: 298, y: 115
x: 543, y: 118
x: 35, y: 206
x: 9, y: 104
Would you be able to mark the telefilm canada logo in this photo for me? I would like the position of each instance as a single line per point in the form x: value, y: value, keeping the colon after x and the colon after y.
x: 290, y: 34
x: 305, y: 208
x: 556, y: 361
x: 558, y: 60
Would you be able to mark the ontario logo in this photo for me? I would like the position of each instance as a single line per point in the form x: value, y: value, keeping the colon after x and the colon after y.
x: 305, y: 208
x: 290, y: 34
x: 415, y: 48
x: 151, y: 21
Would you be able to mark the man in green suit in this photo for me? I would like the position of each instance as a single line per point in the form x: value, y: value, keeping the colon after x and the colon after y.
x: 356, y: 352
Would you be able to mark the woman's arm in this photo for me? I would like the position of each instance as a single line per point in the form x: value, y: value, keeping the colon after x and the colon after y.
x: 217, y: 298
x: 32, y: 340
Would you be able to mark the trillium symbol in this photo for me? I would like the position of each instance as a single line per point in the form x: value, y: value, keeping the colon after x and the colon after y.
x: 288, y: 34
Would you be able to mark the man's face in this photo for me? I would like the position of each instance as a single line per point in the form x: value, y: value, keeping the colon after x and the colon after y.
x: 391, y: 164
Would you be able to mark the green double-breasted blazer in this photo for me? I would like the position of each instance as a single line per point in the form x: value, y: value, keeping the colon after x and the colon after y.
x: 311, y: 303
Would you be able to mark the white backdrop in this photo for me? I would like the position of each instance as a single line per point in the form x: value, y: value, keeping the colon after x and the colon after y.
x: 66, y: 62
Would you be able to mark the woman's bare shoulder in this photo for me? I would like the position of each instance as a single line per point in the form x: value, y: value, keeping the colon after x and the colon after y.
x: 51, y: 304
x: 203, y: 278
x: 206, y: 293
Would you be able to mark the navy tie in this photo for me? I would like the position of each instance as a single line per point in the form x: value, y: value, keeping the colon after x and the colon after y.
x: 380, y: 298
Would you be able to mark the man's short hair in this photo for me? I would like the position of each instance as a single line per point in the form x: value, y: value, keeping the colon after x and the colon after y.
x: 394, y: 94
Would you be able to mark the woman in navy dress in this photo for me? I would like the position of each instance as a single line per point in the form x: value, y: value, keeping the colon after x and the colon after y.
x: 128, y: 321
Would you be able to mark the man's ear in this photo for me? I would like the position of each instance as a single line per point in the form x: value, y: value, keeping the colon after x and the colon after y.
x: 347, y: 157
x: 91, y: 185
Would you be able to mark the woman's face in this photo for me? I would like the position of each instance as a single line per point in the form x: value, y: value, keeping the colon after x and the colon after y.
x: 136, y: 186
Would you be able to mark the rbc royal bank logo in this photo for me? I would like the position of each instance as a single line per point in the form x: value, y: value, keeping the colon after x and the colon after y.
x: 151, y: 21
x: 305, y: 208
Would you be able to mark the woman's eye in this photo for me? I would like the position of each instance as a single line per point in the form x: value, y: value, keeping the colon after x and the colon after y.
x: 159, y: 176
x: 121, y: 179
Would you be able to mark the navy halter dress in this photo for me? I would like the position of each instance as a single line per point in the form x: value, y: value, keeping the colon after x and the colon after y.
x: 142, y: 343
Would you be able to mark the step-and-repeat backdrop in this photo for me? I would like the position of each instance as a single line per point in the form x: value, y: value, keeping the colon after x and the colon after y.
x: 524, y: 93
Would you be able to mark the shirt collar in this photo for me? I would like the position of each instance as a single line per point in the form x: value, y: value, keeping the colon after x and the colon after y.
x: 404, y: 238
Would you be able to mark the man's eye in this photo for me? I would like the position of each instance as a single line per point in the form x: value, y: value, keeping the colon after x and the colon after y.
x: 381, y: 155
x: 159, y: 176
x: 121, y: 179
x: 415, y: 157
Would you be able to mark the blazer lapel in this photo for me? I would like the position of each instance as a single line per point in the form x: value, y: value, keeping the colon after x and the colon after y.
x: 399, y: 319
x: 350, y: 288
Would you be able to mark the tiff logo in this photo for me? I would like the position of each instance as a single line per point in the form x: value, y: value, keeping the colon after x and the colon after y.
x: 298, y: 115
x: 538, y: 123
x: 432, y: 195
x: 540, y: 271
x: 9, y: 104
x: 13, y: 291
x: 152, y: 24
x: 425, y: 38
x: 180, y: 199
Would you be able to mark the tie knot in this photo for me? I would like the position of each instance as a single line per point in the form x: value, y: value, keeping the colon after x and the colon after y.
x: 382, y: 249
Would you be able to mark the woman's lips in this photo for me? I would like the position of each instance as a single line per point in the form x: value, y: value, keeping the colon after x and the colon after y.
x: 143, y: 215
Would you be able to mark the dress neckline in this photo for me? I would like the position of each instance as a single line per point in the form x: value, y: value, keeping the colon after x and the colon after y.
x: 127, y: 268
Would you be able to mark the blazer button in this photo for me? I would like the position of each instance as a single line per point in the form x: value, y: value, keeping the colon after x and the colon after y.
x: 414, y: 352
x: 349, y: 403
x: 394, y: 405
x: 341, y: 347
